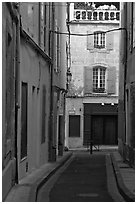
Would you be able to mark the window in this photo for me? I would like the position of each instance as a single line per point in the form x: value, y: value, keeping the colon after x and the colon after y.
x: 99, y: 40
x: 99, y: 80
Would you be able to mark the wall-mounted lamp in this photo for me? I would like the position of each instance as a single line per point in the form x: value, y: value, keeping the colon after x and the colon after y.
x: 69, y: 77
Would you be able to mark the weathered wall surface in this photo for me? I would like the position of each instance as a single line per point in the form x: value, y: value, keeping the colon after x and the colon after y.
x: 82, y: 57
x: 34, y: 72
x: 8, y: 99
x: 126, y: 114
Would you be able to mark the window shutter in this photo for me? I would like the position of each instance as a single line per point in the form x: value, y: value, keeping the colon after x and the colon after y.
x: 90, y: 41
x: 111, y: 80
x: 110, y: 40
x: 88, y: 80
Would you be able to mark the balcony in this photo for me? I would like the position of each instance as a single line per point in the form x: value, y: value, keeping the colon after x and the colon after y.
x: 97, y: 15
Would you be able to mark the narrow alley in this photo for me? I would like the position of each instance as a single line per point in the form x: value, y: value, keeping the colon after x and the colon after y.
x: 68, y: 101
x: 85, y: 178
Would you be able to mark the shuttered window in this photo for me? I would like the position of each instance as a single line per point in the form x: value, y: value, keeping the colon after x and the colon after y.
x: 100, y: 40
x: 74, y: 126
x: 100, y: 80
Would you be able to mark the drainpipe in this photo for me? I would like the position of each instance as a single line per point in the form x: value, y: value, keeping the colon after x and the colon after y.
x: 52, y: 156
x: 17, y: 88
x: 125, y: 71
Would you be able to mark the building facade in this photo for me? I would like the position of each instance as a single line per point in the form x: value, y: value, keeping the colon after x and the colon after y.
x: 10, y: 21
x: 126, y: 110
x: 34, y: 87
x: 92, y: 99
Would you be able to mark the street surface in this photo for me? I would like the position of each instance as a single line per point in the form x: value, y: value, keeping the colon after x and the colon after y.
x: 84, y: 178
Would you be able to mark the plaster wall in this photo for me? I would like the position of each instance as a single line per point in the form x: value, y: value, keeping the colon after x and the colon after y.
x: 126, y: 114
x: 8, y: 99
x: 81, y: 57
x: 34, y: 72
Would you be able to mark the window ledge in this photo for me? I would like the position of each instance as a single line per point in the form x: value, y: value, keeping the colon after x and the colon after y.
x: 103, y: 50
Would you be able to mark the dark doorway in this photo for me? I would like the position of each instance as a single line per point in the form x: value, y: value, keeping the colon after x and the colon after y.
x: 24, y: 107
x: 104, y: 130
x: 60, y: 135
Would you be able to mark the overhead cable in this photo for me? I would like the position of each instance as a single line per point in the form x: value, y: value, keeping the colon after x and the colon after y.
x: 88, y: 34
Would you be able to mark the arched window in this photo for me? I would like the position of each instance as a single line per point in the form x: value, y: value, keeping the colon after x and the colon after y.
x: 99, y: 79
